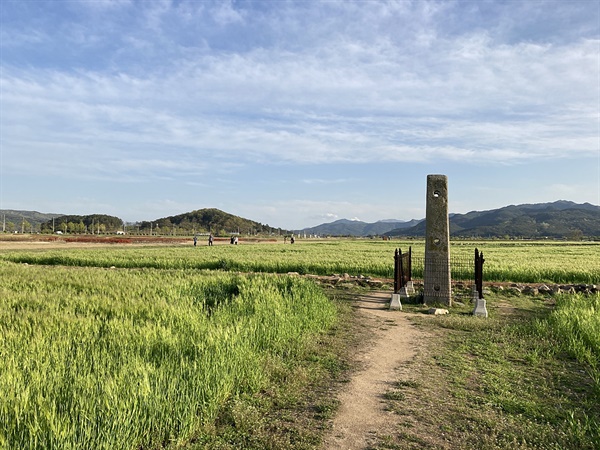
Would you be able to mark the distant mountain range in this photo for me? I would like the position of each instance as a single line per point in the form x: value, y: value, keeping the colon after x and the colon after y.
x: 345, y: 227
x: 561, y: 219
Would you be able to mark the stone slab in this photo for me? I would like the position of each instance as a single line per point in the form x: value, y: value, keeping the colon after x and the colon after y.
x: 395, y: 303
x: 438, y: 311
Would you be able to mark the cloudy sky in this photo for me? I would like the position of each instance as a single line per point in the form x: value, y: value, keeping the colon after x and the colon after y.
x: 295, y: 113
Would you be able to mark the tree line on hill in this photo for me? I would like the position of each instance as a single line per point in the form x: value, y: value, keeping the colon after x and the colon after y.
x: 210, y: 220
x: 74, y: 224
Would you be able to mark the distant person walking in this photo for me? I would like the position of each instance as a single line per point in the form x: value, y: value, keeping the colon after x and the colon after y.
x: 195, y: 240
x: 210, y: 239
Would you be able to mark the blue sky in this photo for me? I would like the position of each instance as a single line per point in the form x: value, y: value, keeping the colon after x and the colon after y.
x: 295, y: 113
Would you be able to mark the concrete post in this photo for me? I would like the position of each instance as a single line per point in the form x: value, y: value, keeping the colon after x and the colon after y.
x: 437, y: 283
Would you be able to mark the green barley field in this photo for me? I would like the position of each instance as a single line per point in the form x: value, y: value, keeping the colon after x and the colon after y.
x: 517, y: 261
x: 143, y: 358
x: 143, y: 347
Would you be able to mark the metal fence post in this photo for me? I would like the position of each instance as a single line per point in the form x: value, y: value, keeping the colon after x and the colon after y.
x: 479, y: 272
x: 396, y: 272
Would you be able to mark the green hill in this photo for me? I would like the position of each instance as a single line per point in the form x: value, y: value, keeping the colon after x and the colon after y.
x: 345, y: 227
x: 209, y: 220
x: 558, y: 220
x: 23, y: 221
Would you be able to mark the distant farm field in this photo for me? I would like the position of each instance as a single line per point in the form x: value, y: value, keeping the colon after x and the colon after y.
x: 517, y: 261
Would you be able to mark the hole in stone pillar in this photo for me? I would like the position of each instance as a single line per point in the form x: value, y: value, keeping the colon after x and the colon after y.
x: 436, y: 194
x: 436, y: 288
x: 436, y: 241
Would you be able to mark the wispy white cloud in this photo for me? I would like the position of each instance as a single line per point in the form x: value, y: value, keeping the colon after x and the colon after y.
x: 173, y: 90
x: 202, y: 110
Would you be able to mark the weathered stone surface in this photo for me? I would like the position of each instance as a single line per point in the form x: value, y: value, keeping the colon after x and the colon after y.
x: 395, y: 303
x: 530, y: 290
x: 543, y: 289
x: 437, y: 239
x: 556, y: 290
x: 480, y: 308
x: 403, y: 293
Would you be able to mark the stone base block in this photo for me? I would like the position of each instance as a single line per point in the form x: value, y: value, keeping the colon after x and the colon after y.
x: 395, y: 303
x: 480, y: 309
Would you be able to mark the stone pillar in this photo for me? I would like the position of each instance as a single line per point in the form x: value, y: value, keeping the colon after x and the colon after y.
x: 436, y: 280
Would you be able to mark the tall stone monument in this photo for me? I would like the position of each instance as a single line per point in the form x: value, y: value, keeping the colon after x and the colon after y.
x: 436, y: 280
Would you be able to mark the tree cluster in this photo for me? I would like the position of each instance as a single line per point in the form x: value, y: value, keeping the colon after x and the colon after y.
x: 209, y: 220
x: 92, y: 224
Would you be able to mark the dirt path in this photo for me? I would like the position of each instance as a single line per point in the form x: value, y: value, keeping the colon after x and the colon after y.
x: 362, y: 416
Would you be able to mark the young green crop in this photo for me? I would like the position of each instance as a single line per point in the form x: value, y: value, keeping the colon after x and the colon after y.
x: 105, y: 359
x: 518, y: 261
x: 576, y: 320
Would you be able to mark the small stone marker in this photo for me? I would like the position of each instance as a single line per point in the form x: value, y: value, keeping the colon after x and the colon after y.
x: 480, y: 308
x: 395, y: 303
x: 408, y: 290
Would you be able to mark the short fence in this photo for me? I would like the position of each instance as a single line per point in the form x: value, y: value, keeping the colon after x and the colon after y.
x: 466, y: 273
x: 402, y: 269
